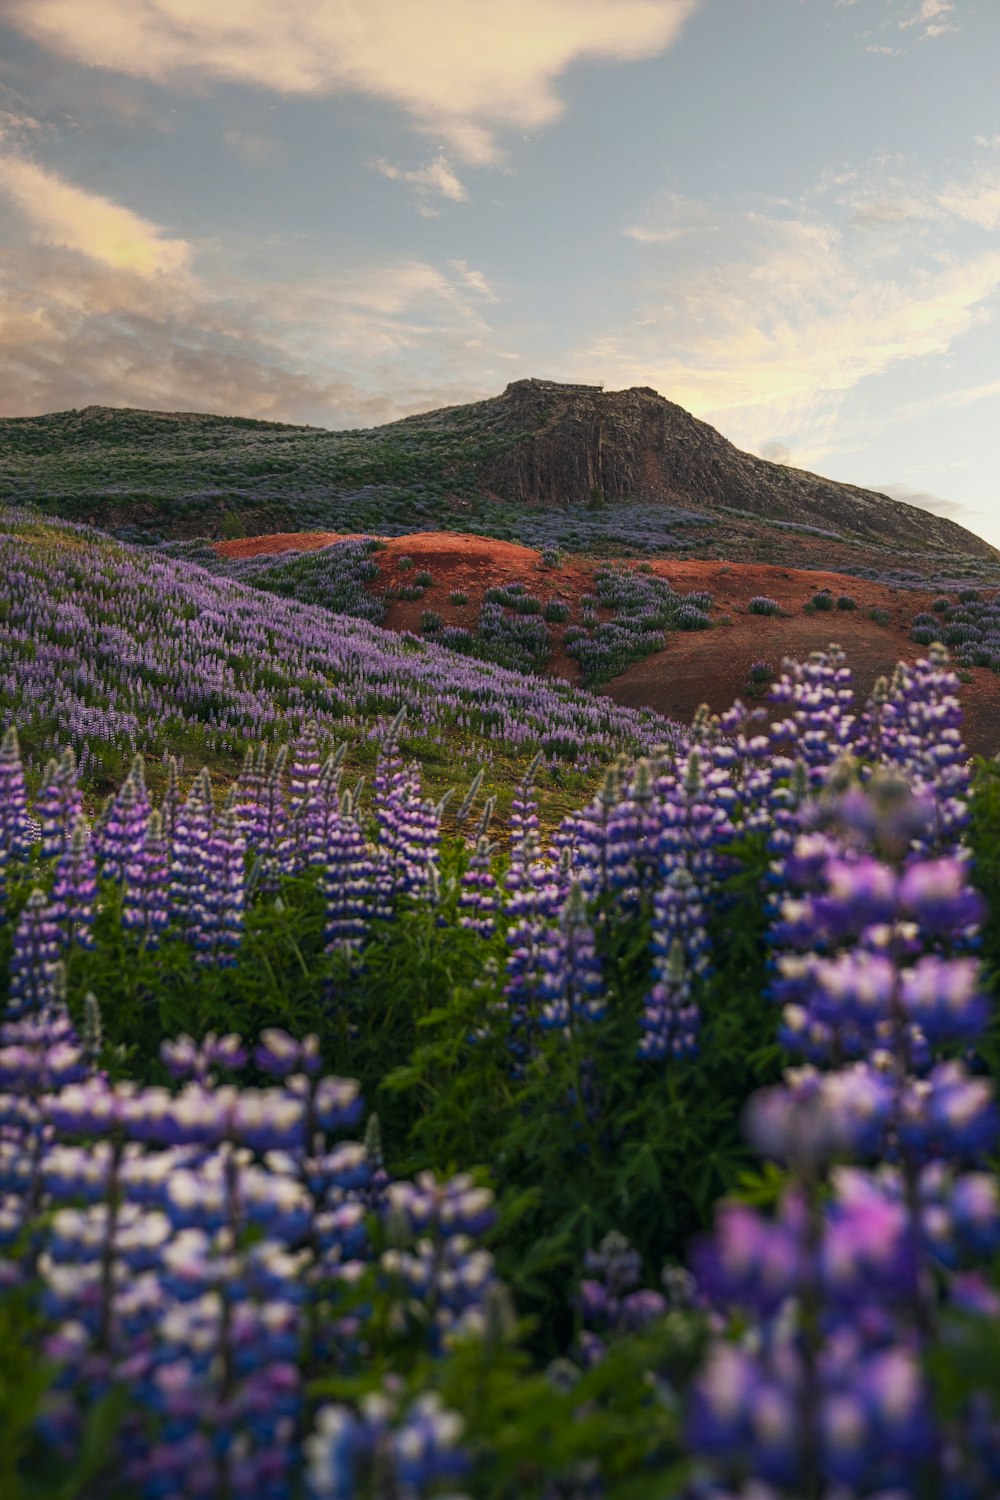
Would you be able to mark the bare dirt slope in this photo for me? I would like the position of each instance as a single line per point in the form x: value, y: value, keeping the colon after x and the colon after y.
x: 693, y: 668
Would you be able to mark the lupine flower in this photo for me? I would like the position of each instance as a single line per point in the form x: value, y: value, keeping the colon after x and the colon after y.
x: 570, y: 987
x: 407, y: 1450
x: 74, y: 888
x: 610, y: 1298
x: 119, y: 838
x: 146, y: 903
x: 818, y: 699
x: 58, y: 804
x: 16, y: 833
x: 192, y: 832
x: 408, y: 825
x: 349, y: 883
x: 37, y: 945
x: 215, y: 920
x: 479, y: 900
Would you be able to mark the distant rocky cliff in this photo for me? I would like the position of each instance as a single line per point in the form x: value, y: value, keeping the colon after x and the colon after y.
x: 636, y: 445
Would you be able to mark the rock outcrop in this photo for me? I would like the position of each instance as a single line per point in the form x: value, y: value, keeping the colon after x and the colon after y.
x: 570, y: 443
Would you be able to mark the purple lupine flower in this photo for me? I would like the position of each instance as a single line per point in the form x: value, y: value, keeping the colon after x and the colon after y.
x: 587, y: 833
x: 146, y: 902
x: 304, y: 769
x: 58, y: 804
x: 248, y: 796
x: 920, y: 734
x: 38, y: 941
x: 348, y: 883
x: 670, y: 1019
x: 215, y: 922
x: 633, y: 856
x: 39, y: 1051
x: 171, y: 803
x: 270, y: 835
x: 406, y: 1451
x: 408, y: 825
x: 192, y: 831
x: 478, y: 900
x: 74, y: 888
x: 16, y: 833
x: 524, y: 834
x: 570, y: 987
x: 321, y: 812
x: 609, y: 1297
x: 818, y: 699
x: 120, y: 836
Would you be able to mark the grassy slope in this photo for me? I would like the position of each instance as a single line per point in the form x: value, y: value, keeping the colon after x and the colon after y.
x: 182, y: 475
x: 443, y: 766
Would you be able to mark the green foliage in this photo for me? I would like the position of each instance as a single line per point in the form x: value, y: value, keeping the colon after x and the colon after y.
x: 589, y: 1139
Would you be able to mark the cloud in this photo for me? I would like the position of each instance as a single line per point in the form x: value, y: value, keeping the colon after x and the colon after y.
x: 64, y: 215
x: 976, y: 200
x: 673, y: 217
x: 98, y: 307
x: 951, y: 400
x: 19, y: 126
x: 932, y: 15
x: 801, y: 316
x: 766, y: 321
x: 460, y: 71
x: 924, y: 500
x: 437, y: 177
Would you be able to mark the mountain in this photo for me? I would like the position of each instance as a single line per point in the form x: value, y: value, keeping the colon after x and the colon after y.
x: 540, y: 445
x: 636, y: 445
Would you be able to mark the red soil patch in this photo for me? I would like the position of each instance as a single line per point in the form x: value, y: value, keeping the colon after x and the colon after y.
x: 710, y: 666
x: 279, y: 541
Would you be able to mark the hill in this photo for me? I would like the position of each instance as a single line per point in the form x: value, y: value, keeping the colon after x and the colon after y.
x: 686, y: 667
x: 118, y: 651
x: 541, y: 464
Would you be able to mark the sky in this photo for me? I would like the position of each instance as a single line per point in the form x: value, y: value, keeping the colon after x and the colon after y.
x: 782, y: 214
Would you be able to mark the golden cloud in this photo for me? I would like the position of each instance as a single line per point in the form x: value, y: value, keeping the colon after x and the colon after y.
x: 459, y: 69
x: 64, y: 215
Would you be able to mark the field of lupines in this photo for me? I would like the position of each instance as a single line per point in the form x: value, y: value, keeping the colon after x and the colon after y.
x: 114, y: 651
x: 353, y: 1144
x: 511, y: 629
x: 968, y: 624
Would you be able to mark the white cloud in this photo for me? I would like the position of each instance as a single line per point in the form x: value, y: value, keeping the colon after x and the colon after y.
x: 933, y: 16
x: 61, y: 214
x: 887, y: 202
x: 951, y: 400
x: 437, y: 177
x: 461, y: 71
x: 976, y: 200
x: 765, y: 322
x: 672, y: 217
